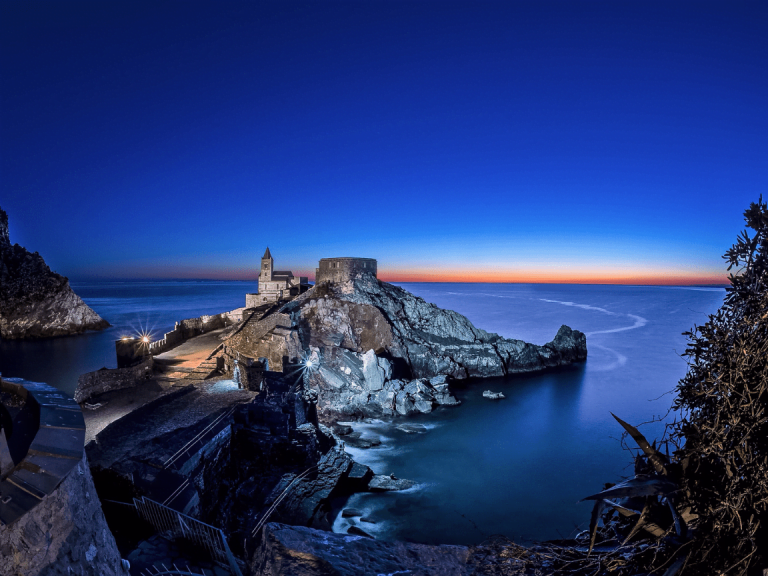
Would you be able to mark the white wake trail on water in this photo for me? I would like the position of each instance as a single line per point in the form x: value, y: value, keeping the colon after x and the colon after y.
x: 620, y: 359
x: 639, y: 320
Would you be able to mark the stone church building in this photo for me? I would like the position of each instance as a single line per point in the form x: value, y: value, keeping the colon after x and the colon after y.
x: 275, y: 285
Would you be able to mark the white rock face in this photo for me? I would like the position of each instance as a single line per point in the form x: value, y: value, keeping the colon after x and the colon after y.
x: 376, y: 371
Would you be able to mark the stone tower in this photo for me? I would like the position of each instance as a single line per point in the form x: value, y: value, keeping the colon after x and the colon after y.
x: 267, y: 266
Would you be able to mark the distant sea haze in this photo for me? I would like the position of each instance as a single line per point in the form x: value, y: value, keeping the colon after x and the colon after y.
x: 515, y: 466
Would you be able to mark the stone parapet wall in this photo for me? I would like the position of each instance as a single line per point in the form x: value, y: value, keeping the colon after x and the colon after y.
x: 107, y: 379
x: 191, y: 327
x: 256, y: 329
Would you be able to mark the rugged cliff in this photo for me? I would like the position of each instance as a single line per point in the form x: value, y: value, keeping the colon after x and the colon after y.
x: 378, y: 349
x: 35, y: 302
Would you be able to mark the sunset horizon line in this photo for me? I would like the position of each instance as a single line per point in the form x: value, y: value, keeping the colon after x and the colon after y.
x: 688, y: 281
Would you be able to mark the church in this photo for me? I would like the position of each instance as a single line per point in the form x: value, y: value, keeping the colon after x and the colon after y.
x: 275, y: 285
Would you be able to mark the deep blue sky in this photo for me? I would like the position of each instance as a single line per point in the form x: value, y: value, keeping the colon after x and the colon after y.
x: 520, y: 141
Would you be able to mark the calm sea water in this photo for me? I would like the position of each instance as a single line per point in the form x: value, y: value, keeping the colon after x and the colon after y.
x: 516, y: 466
x: 130, y: 307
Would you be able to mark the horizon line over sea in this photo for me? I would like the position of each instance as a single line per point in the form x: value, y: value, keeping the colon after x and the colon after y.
x: 725, y: 284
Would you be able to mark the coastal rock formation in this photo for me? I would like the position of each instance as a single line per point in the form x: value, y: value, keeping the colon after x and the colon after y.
x: 298, y: 550
x: 34, y: 301
x: 378, y: 348
x: 65, y: 535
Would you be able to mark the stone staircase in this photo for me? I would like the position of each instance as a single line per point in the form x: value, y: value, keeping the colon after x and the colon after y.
x: 167, y: 371
x: 204, y: 370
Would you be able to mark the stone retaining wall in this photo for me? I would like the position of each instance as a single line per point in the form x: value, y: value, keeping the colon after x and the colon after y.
x: 107, y: 379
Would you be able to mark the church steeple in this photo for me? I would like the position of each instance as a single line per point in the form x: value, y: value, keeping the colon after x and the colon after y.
x: 267, y: 266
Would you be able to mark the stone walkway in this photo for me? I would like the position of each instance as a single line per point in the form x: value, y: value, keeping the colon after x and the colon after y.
x: 186, y: 364
x: 176, y: 416
x: 191, y: 353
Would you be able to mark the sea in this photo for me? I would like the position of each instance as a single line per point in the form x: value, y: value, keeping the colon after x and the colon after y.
x: 517, y: 467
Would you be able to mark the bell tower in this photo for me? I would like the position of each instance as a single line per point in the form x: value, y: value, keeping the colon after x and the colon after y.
x: 267, y: 265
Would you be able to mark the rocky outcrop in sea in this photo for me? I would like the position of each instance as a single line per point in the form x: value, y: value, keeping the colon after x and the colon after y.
x: 376, y: 349
x: 35, y: 302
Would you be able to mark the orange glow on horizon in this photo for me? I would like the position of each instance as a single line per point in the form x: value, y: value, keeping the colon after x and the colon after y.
x: 656, y: 278
x: 542, y: 275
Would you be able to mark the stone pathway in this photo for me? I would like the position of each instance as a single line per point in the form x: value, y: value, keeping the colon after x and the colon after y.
x: 191, y: 353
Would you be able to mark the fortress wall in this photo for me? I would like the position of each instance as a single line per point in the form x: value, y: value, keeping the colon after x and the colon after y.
x: 344, y: 269
x: 270, y: 337
x: 247, y: 338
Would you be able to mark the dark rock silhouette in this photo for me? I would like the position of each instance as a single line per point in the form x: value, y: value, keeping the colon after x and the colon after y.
x: 35, y: 302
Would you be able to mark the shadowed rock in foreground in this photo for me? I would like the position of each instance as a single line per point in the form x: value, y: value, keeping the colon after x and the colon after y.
x: 298, y: 550
x: 35, y: 302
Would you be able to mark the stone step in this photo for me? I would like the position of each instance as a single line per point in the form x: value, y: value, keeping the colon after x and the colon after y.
x: 204, y: 370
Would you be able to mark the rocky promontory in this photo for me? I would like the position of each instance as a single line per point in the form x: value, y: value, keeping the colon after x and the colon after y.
x: 376, y: 349
x: 35, y: 302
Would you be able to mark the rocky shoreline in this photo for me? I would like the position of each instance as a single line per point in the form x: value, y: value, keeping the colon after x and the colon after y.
x: 35, y: 302
x: 372, y: 349
x: 259, y: 449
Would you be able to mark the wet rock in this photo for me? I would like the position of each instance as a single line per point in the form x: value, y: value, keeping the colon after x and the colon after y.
x: 360, y: 475
x: 356, y: 440
x: 342, y: 429
x: 381, y: 483
x: 366, y: 519
x: 350, y: 513
x: 493, y: 395
x: 354, y: 530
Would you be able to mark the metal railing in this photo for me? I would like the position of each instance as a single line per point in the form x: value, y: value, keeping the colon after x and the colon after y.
x: 180, y: 452
x: 279, y: 499
x: 180, y: 525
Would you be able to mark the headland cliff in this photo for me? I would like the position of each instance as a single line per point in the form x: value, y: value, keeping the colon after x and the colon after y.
x: 35, y: 302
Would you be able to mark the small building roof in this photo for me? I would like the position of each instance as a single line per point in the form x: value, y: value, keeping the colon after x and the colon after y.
x: 266, y: 254
x: 282, y: 273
